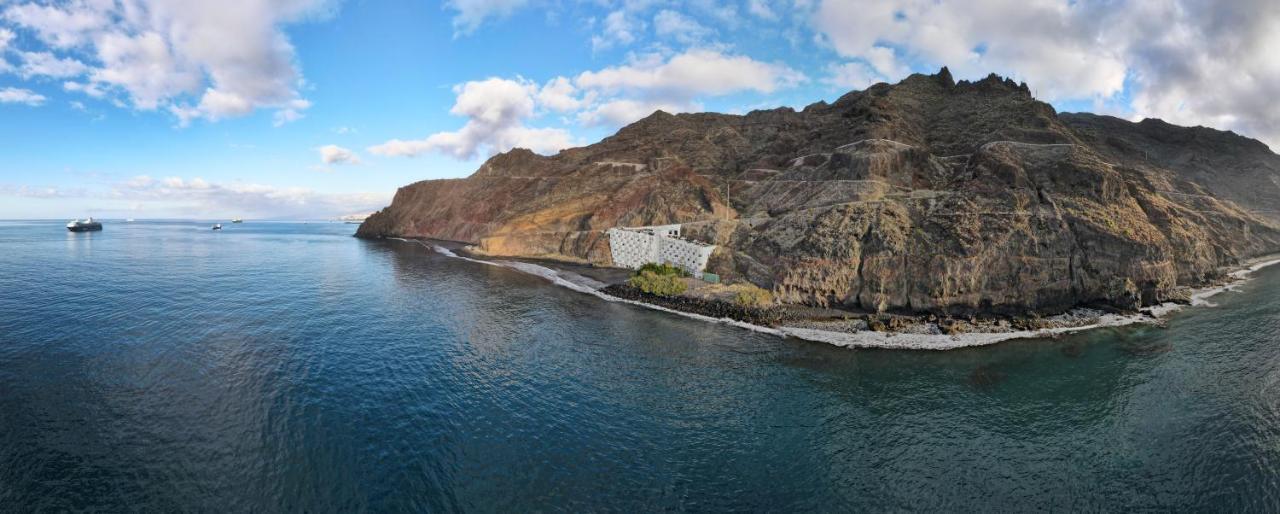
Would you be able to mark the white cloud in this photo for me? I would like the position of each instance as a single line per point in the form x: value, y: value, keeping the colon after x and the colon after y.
x: 852, y: 75
x: 1186, y: 61
x: 82, y: 87
x: 1051, y: 43
x: 473, y: 13
x: 616, y: 113
x: 681, y: 28
x: 334, y: 154
x: 290, y: 112
x: 886, y: 64
x: 197, y: 60
x: 145, y: 68
x: 13, y: 95
x: 879, y: 65
x: 559, y: 94
x: 26, y: 191
x: 695, y: 72
x: 199, y: 197
x: 620, y: 28
x: 61, y: 28
x: 1204, y: 63
x: 45, y: 64
x: 196, y: 197
x: 6, y: 36
x: 496, y: 110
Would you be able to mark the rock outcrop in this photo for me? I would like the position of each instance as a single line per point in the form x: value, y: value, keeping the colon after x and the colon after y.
x: 924, y: 196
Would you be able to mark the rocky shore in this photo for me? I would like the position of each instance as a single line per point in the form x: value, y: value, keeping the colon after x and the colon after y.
x: 719, y: 309
x: 922, y: 331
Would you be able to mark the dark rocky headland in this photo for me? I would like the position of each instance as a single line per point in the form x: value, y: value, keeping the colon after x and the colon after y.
x: 927, y: 196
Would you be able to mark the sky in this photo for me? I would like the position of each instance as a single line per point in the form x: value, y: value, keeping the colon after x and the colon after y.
x: 321, y: 108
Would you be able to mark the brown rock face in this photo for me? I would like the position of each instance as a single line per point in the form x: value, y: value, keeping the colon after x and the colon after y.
x: 924, y: 196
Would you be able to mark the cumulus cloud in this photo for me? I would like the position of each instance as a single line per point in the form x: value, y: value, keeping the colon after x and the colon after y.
x: 695, y: 72
x: 334, y: 154
x: 1186, y: 61
x: 616, y: 113
x: 852, y: 75
x: 61, y: 28
x: 496, y: 110
x: 13, y: 95
x: 628, y: 92
x: 878, y: 65
x: 559, y: 94
x: 473, y: 13
x: 198, y: 60
x: 1197, y: 63
x: 1051, y: 43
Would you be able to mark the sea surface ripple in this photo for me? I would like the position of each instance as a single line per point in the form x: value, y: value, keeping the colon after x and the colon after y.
x: 161, y: 366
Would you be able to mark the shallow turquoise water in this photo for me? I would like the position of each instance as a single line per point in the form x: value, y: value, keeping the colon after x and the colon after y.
x: 272, y: 366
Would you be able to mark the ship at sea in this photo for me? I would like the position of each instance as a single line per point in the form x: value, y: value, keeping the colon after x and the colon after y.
x: 88, y: 225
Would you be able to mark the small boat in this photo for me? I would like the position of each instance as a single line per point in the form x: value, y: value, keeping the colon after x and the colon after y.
x: 130, y: 220
x: 88, y: 225
x: 237, y: 220
x: 217, y: 226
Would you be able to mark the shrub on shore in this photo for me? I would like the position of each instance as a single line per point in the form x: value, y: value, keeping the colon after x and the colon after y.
x: 751, y: 295
x: 655, y: 284
x: 666, y: 270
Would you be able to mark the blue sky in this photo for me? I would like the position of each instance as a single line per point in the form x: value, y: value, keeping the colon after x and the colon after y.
x: 317, y: 108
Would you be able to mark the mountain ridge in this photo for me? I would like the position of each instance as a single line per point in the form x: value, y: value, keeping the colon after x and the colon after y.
x: 929, y: 195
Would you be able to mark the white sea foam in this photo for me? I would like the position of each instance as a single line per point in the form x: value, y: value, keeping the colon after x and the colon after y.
x: 900, y: 341
x: 872, y: 339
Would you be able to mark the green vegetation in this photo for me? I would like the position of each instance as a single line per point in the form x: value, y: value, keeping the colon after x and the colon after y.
x: 655, y: 284
x: 665, y: 270
x: 751, y: 295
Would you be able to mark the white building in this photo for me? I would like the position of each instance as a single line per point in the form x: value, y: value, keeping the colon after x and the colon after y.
x: 632, y: 247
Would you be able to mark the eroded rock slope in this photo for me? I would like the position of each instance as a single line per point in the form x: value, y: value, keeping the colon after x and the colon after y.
x: 924, y: 196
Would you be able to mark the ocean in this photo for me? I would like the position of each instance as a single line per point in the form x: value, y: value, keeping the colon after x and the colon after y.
x: 162, y: 366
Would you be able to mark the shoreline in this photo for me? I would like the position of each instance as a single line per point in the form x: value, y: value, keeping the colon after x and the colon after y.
x: 870, y: 339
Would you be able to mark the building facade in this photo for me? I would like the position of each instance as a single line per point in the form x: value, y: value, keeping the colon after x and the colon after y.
x: 632, y: 247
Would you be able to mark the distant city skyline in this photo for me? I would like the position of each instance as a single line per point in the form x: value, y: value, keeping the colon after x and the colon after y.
x: 320, y: 108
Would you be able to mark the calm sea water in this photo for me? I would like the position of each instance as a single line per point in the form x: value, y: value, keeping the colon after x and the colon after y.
x: 164, y: 367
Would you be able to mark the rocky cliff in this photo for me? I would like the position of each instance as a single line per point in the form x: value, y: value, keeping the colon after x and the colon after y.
x: 924, y: 196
